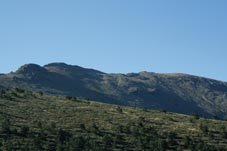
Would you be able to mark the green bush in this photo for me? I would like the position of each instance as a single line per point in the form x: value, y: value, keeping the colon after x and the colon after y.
x: 24, y: 131
x: 204, y: 128
x: 6, y: 126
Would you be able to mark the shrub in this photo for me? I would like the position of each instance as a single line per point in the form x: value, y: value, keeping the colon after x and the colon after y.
x: 3, y: 92
x: 40, y: 93
x: 63, y: 136
x: 163, y: 111
x: 223, y: 128
x: 159, y: 145
x: 107, y: 141
x: 19, y: 90
x: 196, y: 116
x: 204, y: 128
x: 39, y: 125
x: 119, y: 109
x: 53, y: 125
x: 6, y: 126
x: 224, y: 135
x: 24, y: 130
x: 172, y: 138
x: 187, y: 141
x: 82, y: 126
x: 77, y: 143
x: 71, y: 98
x: 37, y: 143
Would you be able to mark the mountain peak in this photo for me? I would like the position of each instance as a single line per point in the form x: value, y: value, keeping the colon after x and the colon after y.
x: 56, y: 64
x: 64, y: 68
x: 61, y: 65
x: 30, y: 69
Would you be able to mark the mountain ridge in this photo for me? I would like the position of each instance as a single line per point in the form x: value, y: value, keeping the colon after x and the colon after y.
x: 176, y: 92
x: 115, y: 73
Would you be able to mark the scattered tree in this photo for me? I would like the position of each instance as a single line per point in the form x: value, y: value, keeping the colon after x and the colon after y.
x: 24, y: 131
x: 119, y: 109
x: 204, y: 128
x: 6, y: 125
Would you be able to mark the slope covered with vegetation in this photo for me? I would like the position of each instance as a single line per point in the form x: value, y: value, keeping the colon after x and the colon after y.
x: 34, y: 121
x: 179, y: 93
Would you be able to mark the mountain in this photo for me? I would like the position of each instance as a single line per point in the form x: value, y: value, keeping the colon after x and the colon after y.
x: 181, y: 93
x: 33, y: 121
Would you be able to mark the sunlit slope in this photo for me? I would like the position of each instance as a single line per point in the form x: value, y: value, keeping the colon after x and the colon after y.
x: 34, y: 121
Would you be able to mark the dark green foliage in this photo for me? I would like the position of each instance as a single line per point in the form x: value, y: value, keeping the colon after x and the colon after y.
x: 5, y: 126
x: 20, y: 90
x: 79, y: 142
x: 82, y: 126
x: 196, y: 116
x: 72, y: 98
x: 63, y: 136
x: 171, y: 138
x: 187, y: 141
x: 164, y: 111
x: 204, y: 128
x: 201, y: 146
x: 225, y: 135
x: 119, y: 109
x: 2, y: 92
x: 69, y: 97
x: 107, y: 141
x: 55, y: 123
x: 24, y: 131
x: 6, y: 146
x: 39, y: 125
x: 159, y: 145
x: 41, y: 93
x: 223, y: 128
x: 216, y: 117
x: 53, y: 126
x: 94, y: 127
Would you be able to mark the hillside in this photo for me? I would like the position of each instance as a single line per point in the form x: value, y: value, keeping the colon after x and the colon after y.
x: 33, y: 121
x: 179, y: 93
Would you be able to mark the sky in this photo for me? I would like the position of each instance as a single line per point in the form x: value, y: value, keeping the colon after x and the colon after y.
x: 117, y: 36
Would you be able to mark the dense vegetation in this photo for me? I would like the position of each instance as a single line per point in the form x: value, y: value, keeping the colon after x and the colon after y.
x: 34, y: 121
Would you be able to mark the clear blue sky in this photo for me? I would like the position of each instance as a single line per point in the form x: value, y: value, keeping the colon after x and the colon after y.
x: 188, y: 36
